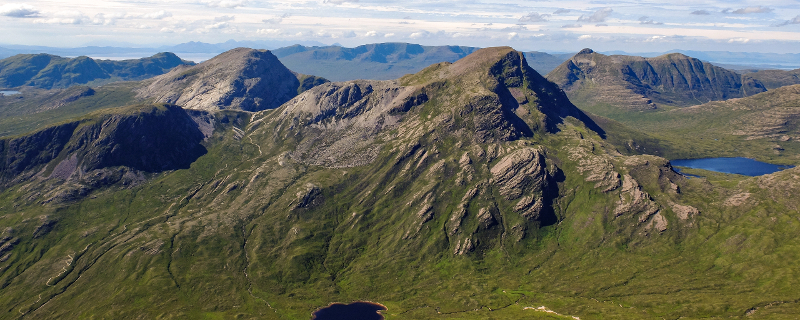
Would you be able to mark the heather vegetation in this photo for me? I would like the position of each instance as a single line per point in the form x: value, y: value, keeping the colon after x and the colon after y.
x: 469, y: 190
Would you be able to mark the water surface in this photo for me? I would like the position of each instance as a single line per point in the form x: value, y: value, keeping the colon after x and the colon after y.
x: 8, y: 93
x: 353, y: 311
x: 743, y: 166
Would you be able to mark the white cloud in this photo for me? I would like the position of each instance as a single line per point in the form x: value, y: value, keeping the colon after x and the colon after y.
x: 218, y: 25
x: 388, y: 35
x: 338, y: 1
x: 226, y: 3
x: 65, y: 17
x: 18, y: 10
x: 534, y: 17
x: 561, y: 10
x: 158, y: 15
x: 795, y: 20
x: 597, y: 16
x: 277, y: 20
x: 574, y: 25
x: 419, y: 35
x: 269, y: 32
x: 371, y: 33
x: 647, y: 20
x: 106, y: 19
x: 748, y: 10
x: 513, y: 35
x: 585, y: 37
x: 739, y: 40
x: 224, y: 18
x: 701, y: 12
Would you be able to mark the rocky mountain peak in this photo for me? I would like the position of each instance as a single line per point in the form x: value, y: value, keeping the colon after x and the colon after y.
x: 240, y: 79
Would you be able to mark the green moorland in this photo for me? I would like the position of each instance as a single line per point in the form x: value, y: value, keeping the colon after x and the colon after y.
x: 763, y: 127
x: 487, y: 197
x: 34, y: 109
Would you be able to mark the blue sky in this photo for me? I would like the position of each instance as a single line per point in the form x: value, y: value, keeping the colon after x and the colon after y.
x: 633, y: 26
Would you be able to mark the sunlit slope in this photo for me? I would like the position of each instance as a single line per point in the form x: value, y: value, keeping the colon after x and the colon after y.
x: 469, y: 190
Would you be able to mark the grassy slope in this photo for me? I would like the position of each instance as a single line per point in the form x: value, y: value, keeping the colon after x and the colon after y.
x: 761, y: 127
x: 29, y: 110
x: 179, y: 249
x: 221, y: 240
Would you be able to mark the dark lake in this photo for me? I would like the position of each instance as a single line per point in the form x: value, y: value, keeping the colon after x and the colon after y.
x: 743, y: 166
x: 353, y: 311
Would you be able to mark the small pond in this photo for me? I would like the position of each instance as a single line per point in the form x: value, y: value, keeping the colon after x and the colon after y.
x: 353, y: 311
x: 743, y: 166
x: 8, y: 92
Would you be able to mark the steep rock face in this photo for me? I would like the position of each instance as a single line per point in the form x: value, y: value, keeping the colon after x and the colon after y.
x: 239, y: 79
x: 637, y: 83
x: 338, y: 122
x: 141, y: 139
x: 505, y: 100
x: 510, y: 99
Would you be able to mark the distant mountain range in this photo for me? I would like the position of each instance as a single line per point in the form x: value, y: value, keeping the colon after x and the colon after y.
x: 49, y: 71
x: 209, y: 49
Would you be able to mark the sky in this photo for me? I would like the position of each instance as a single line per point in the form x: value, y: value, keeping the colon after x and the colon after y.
x: 551, y: 26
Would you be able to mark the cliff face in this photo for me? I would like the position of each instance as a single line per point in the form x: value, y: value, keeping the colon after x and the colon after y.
x: 240, y: 79
x: 636, y: 83
x: 137, y: 139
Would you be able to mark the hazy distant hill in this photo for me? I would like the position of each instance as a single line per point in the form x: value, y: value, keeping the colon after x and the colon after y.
x: 637, y: 83
x: 773, y: 79
x: 49, y: 71
x: 374, y: 61
x: 544, y: 62
x: 382, y: 61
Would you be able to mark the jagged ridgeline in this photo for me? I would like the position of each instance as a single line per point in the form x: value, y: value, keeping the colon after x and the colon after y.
x: 629, y: 83
x: 471, y: 189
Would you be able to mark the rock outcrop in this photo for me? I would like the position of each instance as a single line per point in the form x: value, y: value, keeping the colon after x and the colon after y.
x: 239, y: 79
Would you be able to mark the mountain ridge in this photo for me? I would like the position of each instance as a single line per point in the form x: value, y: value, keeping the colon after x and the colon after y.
x: 49, y: 71
x: 470, y: 190
x: 638, y: 83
